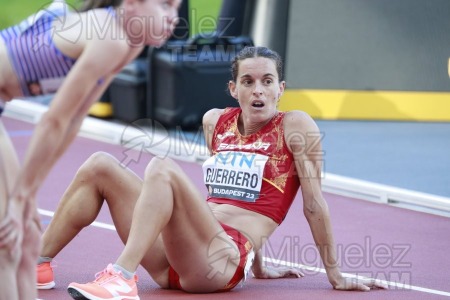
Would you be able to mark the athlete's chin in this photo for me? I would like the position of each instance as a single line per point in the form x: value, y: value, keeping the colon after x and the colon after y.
x: 259, y: 118
x: 260, y: 114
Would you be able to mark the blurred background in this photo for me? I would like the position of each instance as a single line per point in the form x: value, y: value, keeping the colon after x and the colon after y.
x: 372, y: 73
x: 13, y: 12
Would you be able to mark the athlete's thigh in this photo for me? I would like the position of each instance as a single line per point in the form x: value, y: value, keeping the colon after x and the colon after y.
x: 9, y: 167
x: 26, y: 273
x: 9, y: 260
x: 121, y: 189
x: 193, y: 237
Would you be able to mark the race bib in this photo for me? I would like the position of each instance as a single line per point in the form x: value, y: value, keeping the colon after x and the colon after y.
x: 234, y: 175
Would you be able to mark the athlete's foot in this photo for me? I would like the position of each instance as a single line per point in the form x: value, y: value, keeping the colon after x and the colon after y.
x: 45, y: 280
x: 108, y: 284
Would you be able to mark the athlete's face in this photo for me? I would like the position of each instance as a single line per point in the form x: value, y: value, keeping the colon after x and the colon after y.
x: 151, y: 22
x: 257, y: 88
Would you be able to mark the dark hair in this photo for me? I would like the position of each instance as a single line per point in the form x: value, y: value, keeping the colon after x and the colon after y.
x: 92, y: 4
x: 251, y: 52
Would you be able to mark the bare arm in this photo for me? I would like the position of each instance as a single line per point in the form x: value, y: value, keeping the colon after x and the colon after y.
x: 74, y: 127
x: 301, y: 135
x: 61, y: 122
x: 261, y: 271
x: 258, y: 265
x: 303, y: 138
x: 209, y: 122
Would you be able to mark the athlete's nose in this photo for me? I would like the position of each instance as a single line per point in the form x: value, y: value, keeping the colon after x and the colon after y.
x: 258, y: 89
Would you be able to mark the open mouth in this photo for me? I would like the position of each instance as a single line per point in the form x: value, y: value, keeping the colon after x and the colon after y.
x: 258, y: 104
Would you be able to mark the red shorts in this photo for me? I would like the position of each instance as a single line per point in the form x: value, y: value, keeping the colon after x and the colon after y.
x: 246, y: 257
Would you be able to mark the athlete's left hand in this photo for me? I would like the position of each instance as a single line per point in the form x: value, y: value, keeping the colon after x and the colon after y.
x: 11, y: 228
x: 279, y: 272
x: 365, y: 285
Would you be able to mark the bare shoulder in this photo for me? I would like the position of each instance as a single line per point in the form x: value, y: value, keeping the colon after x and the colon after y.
x: 102, y: 29
x: 211, y: 117
x: 94, y: 33
x: 299, y: 121
x: 109, y: 55
x: 111, y: 46
x: 301, y: 132
x: 209, y: 121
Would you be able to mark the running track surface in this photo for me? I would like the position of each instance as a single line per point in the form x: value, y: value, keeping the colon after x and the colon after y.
x: 400, y: 246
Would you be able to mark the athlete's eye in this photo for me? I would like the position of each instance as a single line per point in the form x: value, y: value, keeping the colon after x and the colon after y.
x: 268, y: 81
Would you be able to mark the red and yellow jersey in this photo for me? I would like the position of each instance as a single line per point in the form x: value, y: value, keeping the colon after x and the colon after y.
x: 254, y: 172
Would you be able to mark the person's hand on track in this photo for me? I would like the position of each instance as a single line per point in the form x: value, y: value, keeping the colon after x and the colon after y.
x: 279, y: 272
x: 365, y: 285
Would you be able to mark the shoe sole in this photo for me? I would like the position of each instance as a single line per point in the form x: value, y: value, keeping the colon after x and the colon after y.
x: 45, y: 286
x: 75, y: 294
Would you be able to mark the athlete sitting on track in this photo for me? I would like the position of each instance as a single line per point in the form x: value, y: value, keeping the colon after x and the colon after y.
x: 253, y: 175
x: 76, y: 54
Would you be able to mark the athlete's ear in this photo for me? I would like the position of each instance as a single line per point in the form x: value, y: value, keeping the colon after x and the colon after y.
x: 281, y: 90
x: 232, y: 89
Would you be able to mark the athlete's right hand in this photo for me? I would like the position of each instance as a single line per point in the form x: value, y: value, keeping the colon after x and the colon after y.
x: 278, y: 272
x: 11, y: 228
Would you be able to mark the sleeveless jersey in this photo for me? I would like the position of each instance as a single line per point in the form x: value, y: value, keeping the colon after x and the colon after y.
x: 32, y: 52
x: 254, y: 172
x: 40, y: 66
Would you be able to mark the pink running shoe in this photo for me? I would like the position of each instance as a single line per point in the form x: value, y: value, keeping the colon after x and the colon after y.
x: 45, y: 276
x: 108, y: 285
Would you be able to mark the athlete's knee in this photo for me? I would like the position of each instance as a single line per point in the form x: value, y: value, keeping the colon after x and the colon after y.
x: 10, y: 258
x: 96, y: 166
x: 9, y: 261
x: 161, y: 168
x: 31, y: 240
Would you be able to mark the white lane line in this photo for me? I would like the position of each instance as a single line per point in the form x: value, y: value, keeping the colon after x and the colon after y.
x: 391, y: 283
x: 95, y: 224
x: 295, y: 265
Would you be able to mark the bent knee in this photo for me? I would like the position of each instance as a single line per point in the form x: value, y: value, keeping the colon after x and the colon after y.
x: 98, y: 164
x: 31, y: 239
x: 9, y: 260
x: 161, y: 168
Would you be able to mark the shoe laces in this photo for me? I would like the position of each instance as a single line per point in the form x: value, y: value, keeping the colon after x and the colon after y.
x: 105, y: 275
